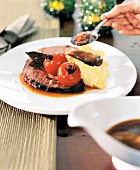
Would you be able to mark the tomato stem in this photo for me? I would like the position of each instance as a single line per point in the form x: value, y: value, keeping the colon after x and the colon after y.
x: 49, y: 56
x: 71, y: 69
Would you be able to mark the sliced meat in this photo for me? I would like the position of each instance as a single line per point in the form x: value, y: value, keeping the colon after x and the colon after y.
x: 39, y: 79
x: 49, y: 50
x: 87, y: 58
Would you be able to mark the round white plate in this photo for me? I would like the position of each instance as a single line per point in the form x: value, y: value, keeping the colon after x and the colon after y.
x: 120, y: 82
x: 121, y: 165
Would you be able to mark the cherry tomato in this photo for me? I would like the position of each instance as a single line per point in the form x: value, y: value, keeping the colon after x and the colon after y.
x: 52, y: 63
x: 69, y: 74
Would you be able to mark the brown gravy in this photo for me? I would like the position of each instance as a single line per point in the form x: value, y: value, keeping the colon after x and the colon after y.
x: 50, y: 94
x: 128, y: 132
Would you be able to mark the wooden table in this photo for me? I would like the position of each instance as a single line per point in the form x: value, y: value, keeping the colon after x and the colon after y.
x: 28, y: 141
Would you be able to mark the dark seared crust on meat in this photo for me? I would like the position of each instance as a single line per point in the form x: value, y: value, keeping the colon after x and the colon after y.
x: 73, y: 89
x: 39, y: 79
x: 87, y: 58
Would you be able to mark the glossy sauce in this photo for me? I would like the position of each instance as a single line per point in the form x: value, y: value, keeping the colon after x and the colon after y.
x: 50, y: 94
x: 128, y: 132
x: 83, y: 38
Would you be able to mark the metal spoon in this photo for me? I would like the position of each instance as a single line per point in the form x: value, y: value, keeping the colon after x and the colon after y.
x: 87, y: 37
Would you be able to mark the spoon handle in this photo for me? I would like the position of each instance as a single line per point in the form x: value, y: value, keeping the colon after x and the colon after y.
x: 100, y: 24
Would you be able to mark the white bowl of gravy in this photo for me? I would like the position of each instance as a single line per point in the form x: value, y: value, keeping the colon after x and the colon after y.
x: 114, y: 123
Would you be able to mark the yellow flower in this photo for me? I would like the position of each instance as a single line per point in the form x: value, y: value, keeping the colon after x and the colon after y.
x: 95, y: 18
x: 56, y: 5
x: 92, y: 19
x: 100, y: 6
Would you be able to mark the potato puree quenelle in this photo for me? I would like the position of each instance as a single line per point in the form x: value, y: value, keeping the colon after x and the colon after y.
x: 93, y: 76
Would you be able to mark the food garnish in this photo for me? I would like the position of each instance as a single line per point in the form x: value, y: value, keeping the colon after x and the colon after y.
x: 69, y: 74
x: 52, y: 64
x: 37, y: 59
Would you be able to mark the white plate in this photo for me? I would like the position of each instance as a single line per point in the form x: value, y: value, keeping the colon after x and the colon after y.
x: 120, y: 82
x: 121, y: 165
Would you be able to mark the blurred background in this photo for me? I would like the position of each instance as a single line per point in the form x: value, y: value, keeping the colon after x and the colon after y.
x: 86, y: 13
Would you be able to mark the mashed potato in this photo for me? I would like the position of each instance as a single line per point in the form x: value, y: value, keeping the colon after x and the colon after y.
x: 93, y: 76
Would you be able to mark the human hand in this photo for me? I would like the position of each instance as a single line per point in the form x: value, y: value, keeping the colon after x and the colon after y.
x: 125, y: 18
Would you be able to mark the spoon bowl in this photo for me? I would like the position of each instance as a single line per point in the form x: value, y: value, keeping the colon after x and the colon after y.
x: 87, y: 37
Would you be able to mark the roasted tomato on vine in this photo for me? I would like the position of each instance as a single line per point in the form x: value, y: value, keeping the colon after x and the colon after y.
x: 52, y: 63
x: 69, y: 74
